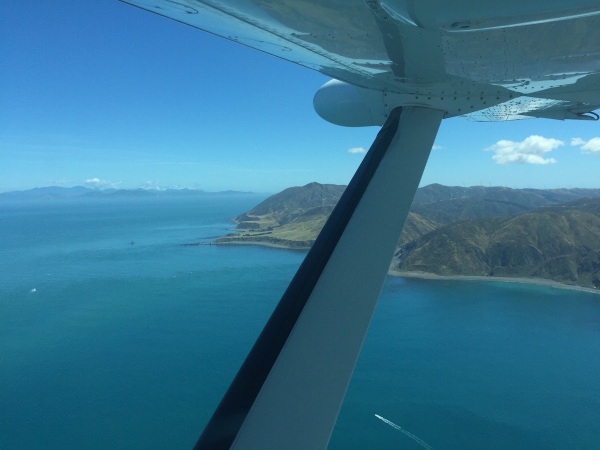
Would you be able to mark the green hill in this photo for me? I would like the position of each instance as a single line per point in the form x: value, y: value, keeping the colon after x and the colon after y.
x: 560, y: 243
x: 294, y: 217
x: 485, y: 231
x: 293, y: 202
x: 291, y: 218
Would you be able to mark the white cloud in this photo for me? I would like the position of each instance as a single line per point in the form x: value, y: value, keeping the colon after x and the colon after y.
x: 93, y: 181
x: 591, y: 146
x: 436, y: 147
x: 356, y: 150
x: 530, y: 151
x: 97, y: 183
x: 577, y: 141
x: 152, y: 185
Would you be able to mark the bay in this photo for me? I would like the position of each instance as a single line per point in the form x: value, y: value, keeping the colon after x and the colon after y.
x: 114, y: 334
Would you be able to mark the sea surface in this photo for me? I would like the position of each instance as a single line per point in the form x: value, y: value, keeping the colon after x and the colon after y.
x: 114, y: 334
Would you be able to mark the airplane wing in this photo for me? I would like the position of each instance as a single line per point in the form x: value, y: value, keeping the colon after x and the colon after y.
x: 406, y: 65
x: 486, y: 60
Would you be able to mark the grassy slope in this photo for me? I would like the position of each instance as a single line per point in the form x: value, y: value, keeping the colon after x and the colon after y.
x: 292, y: 218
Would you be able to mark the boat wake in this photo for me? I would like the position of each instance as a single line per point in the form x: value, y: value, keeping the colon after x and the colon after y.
x: 418, y: 440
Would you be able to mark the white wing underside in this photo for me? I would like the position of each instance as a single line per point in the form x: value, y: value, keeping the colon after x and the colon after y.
x: 485, y: 60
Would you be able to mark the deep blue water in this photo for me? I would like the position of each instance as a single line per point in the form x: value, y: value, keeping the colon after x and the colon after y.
x: 127, y: 345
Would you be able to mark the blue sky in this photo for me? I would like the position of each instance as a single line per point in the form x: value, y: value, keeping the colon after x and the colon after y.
x: 104, y: 94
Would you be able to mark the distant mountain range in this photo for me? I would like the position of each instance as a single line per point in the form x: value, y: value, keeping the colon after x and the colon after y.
x: 481, y: 231
x: 58, y: 193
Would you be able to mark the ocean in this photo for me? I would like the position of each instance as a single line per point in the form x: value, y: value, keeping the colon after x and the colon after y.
x: 116, y: 334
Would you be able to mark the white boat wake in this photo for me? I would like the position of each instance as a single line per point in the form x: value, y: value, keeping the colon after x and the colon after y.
x: 418, y: 440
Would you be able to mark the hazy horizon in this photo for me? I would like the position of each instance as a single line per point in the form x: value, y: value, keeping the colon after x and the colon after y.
x: 199, y: 190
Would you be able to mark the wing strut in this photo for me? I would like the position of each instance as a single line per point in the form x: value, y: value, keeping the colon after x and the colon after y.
x: 290, y: 388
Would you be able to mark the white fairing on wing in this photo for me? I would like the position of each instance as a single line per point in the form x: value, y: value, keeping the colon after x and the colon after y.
x: 350, y: 106
x: 299, y: 402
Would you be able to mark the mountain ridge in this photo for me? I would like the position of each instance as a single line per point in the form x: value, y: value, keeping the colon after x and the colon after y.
x: 61, y: 193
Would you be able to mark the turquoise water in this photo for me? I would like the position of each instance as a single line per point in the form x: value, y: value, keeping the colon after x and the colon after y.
x: 109, y: 344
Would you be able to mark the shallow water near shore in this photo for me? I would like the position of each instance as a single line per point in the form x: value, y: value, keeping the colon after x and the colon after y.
x: 114, y: 334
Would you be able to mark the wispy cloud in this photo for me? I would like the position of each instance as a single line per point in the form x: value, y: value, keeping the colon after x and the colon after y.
x: 97, y: 183
x: 356, y: 150
x: 532, y: 150
x: 591, y: 146
x: 152, y: 185
x: 436, y: 147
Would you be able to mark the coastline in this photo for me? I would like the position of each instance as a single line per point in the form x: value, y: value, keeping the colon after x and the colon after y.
x: 262, y: 244
x: 433, y: 276
x: 530, y: 281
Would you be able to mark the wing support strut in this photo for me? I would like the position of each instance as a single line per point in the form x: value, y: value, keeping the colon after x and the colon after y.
x: 290, y: 388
